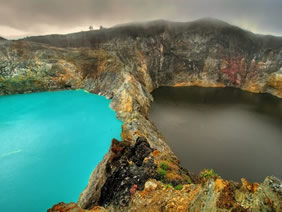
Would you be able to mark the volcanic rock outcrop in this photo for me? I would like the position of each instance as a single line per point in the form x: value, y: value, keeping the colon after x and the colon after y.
x: 125, y: 63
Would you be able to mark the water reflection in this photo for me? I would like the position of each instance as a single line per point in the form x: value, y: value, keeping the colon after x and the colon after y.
x: 237, y: 133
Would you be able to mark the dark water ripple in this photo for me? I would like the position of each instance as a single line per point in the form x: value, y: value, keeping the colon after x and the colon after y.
x: 237, y: 133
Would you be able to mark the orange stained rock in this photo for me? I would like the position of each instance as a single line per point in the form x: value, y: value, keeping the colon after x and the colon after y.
x: 245, y: 184
x: 252, y: 87
x: 200, y: 84
x: 146, y: 159
x: 63, y: 207
x: 255, y: 187
x: 155, y: 153
x: 143, y: 70
x: 143, y: 193
x: 173, y: 175
x: 125, y: 135
x: 180, y: 208
x: 275, y: 81
x: 130, y: 78
x: 138, y: 133
x: 126, y: 102
x: 268, y: 201
x: 220, y: 184
x: 252, y: 187
x: 166, y: 198
x: 130, y: 162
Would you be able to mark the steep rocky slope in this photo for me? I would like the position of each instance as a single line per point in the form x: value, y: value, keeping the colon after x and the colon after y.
x: 125, y: 63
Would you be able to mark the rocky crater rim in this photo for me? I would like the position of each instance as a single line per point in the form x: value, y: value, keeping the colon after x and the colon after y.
x: 158, y: 22
x: 125, y: 64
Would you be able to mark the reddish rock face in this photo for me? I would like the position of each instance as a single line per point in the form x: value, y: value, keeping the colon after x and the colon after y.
x: 133, y: 189
x: 233, y: 70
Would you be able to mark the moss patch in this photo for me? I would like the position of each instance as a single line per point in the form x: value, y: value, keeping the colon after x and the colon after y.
x: 163, y: 166
x: 162, y: 172
x: 208, y: 173
x: 178, y: 187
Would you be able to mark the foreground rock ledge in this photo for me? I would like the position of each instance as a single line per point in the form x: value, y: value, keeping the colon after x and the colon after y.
x: 130, y: 180
x: 125, y: 64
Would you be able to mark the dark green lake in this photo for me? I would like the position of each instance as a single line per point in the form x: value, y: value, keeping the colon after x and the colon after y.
x: 237, y: 133
x: 50, y: 143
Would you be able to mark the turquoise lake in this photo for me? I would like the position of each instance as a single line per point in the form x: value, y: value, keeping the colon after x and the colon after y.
x: 50, y: 143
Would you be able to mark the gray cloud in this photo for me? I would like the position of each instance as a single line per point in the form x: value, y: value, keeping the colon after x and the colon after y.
x: 31, y: 17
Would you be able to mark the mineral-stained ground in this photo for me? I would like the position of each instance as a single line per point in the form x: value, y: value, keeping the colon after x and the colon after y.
x: 126, y: 63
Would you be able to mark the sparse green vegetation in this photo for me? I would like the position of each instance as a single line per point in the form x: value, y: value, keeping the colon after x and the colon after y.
x: 189, y: 181
x: 208, y: 173
x: 178, y: 187
x: 164, y: 166
x: 162, y: 172
x: 168, y: 186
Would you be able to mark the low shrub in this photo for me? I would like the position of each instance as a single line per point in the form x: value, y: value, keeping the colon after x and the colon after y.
x: 164, y: 166
x: 162, y: 172
x: 189, y: 181
x: 178, y: 187
x: 208, y: 173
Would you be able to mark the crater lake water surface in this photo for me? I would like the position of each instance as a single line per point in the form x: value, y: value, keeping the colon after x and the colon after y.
x: 238, y: 134
x: 50, y: 143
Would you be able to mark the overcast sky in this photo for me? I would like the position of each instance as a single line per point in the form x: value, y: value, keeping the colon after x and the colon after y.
x: 20, y: 18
